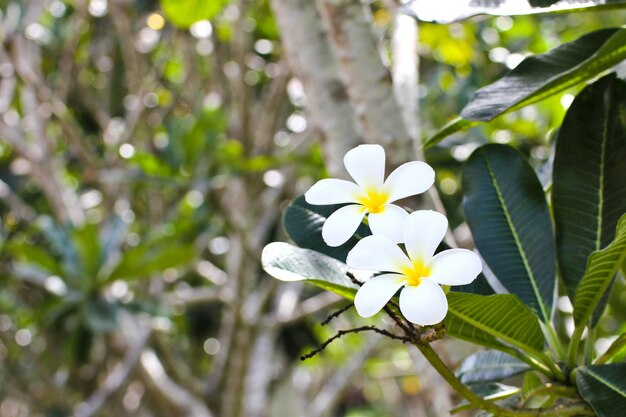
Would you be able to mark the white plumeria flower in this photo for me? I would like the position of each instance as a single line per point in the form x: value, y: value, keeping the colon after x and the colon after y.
x: 371, y: 194
x: 422, y: 300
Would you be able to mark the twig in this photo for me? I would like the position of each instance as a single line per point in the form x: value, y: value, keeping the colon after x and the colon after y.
x: 341, y: 333
x: 353, y: 279
x: 336, y: 314
x: 116, y: 378
x: 333, y: 389
x: 21, y: 209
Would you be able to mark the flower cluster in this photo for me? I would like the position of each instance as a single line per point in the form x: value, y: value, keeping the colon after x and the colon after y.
x: 417, y: 270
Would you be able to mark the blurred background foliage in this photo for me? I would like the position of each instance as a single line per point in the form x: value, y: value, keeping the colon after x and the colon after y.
x: 146, y: 152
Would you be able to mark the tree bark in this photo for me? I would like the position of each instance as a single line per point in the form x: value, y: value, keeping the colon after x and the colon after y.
x: 311, y: 59
x: 367, y: 80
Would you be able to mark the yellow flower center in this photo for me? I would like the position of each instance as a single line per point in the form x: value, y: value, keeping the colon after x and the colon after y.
x: 416, y: 273
x: 374, y: 200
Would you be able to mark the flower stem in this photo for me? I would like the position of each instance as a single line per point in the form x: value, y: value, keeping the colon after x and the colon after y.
x: 559, y: 411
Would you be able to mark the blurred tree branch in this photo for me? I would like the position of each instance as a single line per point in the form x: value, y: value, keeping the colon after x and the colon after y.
x: 311, y: 59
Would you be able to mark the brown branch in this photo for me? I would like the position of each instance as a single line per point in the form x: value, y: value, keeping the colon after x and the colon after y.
x: 340, y: 333
x: 336, y: 314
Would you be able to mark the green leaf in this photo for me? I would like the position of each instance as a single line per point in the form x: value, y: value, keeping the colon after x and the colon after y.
x: 479, y: 286
x: 86, y: 240
x: 143, y: 261
x: 433, y: 11
x: 488, y: 366
x: 604, y: 388
x: 303, y: 223
x: 530, y: 383
x: 100, y: 315
x: 36, y: 256
x: 289, y: 263
x: 541, y: 76
x: 494, y: 390
x: 601, y: 268
x: 532, y: 386
x: 617, y: 347
x: 501, y: 315
x: 508, y: 215
x: 491, y: 391
x: 453, y: 126
x: 461, y: 329
x: 184, y: 13
x: 589, y: 190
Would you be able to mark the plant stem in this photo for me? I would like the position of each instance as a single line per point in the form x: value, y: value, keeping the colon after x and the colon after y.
x: 589, y: 345
x: 559, y: 411
x: 556, y: 371
x: 533, y: 362
x: 572, y: 352
x: 554, y: 341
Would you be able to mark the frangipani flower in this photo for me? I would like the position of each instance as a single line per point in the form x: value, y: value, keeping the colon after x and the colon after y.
x: 371, y: 194
x: 422, y: 301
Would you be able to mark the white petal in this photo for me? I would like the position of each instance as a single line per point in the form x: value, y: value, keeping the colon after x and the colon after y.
x: 341, y: 225
x: 409, y: 179
x: 333, y: 191
x: 366, y: 164
x: 423, y: 232
x: 454, y: 267
x: 424, y: 304
x: 376, y: 292
x: 389, y: 222
x: 378, y: 253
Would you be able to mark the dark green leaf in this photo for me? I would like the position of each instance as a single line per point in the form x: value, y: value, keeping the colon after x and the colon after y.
x: 87, y: 243
x: 479, y: 286
x: 589, y: 190
x: 601, y: 268
x: 604, y: 388
x: 435, y: 11
x: 501, y: 315
x: 493, y: 390
x: 183, y: 13
x: 56, y: 315
x: 541, y: 76
x: 488, y: 366
x: 303, y: 223
x: 100, y: 315
x: 507, y: 212
x: 78, y: 346
x: 461, y: 329
x: 289, y: 263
